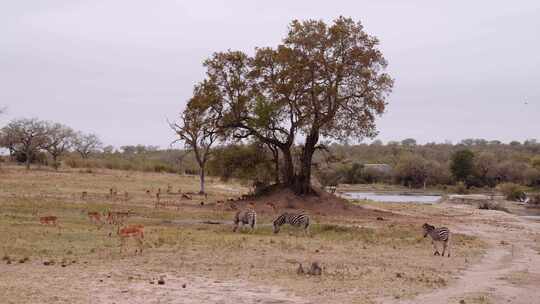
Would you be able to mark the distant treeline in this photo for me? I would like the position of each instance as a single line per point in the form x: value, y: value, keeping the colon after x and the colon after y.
x: 470, y: 163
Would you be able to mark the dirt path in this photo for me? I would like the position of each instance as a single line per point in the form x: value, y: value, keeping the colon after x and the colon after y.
x: 508, y: 273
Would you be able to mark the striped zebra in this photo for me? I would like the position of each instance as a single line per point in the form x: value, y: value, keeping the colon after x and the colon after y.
x: 243, y: 217
x: 441, y: 234
x: 297, y: 219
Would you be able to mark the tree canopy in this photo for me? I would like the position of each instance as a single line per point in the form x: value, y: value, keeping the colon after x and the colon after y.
x: 322, y: 81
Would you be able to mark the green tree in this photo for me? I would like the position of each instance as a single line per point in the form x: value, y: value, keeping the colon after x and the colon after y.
x: 411, y: 170
x: 462, y: 165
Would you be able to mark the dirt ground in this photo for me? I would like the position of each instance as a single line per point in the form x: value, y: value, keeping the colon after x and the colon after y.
x: 372, y: 253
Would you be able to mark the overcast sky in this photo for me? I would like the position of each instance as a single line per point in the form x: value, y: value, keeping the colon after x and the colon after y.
x: 120, y: 68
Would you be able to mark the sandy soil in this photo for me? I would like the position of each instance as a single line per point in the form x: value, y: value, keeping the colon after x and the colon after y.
x: 123, y: 282
x: 508, y: 273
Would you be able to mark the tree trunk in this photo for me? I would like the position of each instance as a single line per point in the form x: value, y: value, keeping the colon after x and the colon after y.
x: 288, y: 171
x: 275, y: 153
x: 55, y: 162
x: 303, y: 181
x: 201, y: 176
x: 28, y: 160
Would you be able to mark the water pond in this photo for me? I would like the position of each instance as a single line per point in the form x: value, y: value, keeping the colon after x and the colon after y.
x: 393, y: 198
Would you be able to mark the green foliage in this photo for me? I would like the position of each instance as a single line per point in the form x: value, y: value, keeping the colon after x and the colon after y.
x: 462, y: 165
x: 246, y: 162
x: 411, y: 170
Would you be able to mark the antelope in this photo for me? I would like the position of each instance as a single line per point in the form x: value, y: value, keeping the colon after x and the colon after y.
x: 84, y: 195
x: 95, y: 217
x: 169, y: 189
x: 219, y: 205
x: 134, y: 231
x: 46, y: 220
x: 117, y: 217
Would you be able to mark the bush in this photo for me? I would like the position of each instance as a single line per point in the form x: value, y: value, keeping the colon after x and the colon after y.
x: 492, y: 205
x: 511, y: 191
x: 534, y: 199
x: 459, y: 188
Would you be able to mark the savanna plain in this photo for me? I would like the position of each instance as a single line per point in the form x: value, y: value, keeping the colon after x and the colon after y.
x: 369, y: 252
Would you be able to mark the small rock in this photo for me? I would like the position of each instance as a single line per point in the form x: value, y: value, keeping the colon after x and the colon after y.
x: 461, y: 301
x: 161, y: 282
x: 380, y: 219
x: 184, y: 285
x: 399, y: 275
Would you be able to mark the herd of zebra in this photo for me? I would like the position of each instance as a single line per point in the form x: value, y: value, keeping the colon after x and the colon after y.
x: 300, y: 219
x: 248, y: 216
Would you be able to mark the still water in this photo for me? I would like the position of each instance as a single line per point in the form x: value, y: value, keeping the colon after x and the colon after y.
x: 393, y: 198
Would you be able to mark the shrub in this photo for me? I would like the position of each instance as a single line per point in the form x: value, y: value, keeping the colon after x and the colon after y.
x: 534, y: 199
x: 459, y: 188
x: 492, y: 205
x: 511, y: 191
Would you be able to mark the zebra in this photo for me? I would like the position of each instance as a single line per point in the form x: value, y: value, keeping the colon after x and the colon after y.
x: 441, y: 234
x: 297, y: 219
x: 243, y: 217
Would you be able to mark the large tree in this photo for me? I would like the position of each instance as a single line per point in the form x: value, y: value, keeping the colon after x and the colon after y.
x: 462, y: 165
x: 85, y: 144
x: 59, y: 140
x: 26, y: 137
x: 198, y: 130
x: 323, y: 81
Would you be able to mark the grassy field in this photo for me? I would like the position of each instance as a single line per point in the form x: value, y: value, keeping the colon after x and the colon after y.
x: 363, y: 259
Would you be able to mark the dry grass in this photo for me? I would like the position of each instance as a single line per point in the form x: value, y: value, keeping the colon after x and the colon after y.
x: 362, y: 258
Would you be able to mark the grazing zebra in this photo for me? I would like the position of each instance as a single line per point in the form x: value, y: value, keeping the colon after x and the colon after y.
x: 247, y: 216
x: 441, y: 234
x: 297, y: 219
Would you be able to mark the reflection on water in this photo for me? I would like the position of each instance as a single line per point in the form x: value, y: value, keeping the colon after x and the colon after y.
x: 393, y: 198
